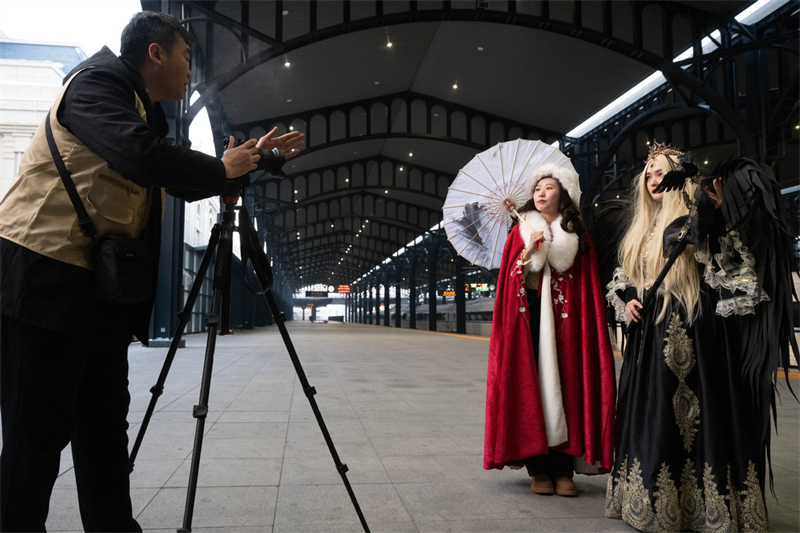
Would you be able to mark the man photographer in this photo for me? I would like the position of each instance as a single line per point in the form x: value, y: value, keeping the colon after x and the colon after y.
x: 63, y: 354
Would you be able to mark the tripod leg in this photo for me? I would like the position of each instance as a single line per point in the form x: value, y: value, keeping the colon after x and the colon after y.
x: 221, y: 297
x: 310, y: 391
x: 200, y: 410
x: 183, y: 319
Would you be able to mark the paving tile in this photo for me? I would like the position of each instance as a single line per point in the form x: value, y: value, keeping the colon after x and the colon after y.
x: 308, y: 505
x: 388, y: 446
x: 322, y: 471
x: 229, y: 473
x: 214, y: 507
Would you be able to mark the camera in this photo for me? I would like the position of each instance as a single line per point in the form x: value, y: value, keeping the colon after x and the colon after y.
x: 271, y: 161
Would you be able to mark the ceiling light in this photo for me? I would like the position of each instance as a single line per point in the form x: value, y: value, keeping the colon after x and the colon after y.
x: 410, y: 154
x: 291, y: 128
x: 377, y: 83
x: 286, y: 64
x: 389, y: 44
x: 285, y: 12
x: 386, y: 192
x: 295, y: 191
x: 705, y: 162
x: 288, y: 100
x: 401, y: 169
x: 455, y: 85
x: 480, y: 49
x: 347, y: 180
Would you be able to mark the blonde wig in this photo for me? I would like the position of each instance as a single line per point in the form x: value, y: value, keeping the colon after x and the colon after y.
x: 641, y: 255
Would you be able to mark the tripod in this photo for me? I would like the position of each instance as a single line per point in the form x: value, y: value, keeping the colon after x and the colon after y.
x: 218, y: 320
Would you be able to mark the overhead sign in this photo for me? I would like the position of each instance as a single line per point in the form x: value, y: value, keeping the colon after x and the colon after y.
x: 344, y: 289
x: 478, y: 287
x: 449, y: 292
x: 316, y: 294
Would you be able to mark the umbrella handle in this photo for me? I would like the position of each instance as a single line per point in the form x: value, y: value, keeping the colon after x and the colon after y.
x: 519, y: 217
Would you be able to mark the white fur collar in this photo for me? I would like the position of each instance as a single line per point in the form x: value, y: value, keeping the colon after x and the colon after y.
x: 559, y: 249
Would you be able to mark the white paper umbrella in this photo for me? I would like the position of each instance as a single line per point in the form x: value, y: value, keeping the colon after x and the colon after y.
x: 477, y: 211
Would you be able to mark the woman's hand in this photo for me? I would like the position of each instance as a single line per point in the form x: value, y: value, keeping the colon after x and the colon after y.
x: 288, y: 144
x: 632, y: 310
x: 716, y: 194
x: 536, y: 238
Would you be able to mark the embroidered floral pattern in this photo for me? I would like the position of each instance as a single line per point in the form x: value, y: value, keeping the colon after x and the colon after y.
x: 694, y: 507
x: 679, y: 355
x: 559, y: 299
x: 519, y: 270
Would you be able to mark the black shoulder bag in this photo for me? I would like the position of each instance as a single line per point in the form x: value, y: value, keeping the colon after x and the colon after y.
x: 123, y: 268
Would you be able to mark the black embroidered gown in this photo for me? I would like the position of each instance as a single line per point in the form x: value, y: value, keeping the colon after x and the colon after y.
x: 687, y: 454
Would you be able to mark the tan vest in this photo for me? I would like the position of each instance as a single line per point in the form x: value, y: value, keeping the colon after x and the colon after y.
x: 37, y: 213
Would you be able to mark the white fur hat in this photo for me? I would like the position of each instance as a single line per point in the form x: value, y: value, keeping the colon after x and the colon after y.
x: 567, y: 177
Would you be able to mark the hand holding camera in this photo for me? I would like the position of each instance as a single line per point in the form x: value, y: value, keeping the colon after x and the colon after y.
x: 268, y: 154
x: 240, y: 158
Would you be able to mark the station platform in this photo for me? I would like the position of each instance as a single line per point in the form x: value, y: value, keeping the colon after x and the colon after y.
x: 405, y: 410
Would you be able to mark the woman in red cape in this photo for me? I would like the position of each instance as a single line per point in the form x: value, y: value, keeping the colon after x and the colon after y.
x: 551, y: 392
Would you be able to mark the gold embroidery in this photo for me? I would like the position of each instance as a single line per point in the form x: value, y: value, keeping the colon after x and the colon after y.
x: 691, y: 499
x: 754, y: 511
x: 636, y: 508
x: 691, y: 508
x: 679, y: 355
x: 667, y: 503
x: 614, y: 490
x: 718, y: 518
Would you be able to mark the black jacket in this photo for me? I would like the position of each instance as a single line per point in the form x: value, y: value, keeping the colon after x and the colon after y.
x: 99, y: 109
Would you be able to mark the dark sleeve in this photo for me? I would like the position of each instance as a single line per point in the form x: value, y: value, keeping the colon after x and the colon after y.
x: 99, y: 109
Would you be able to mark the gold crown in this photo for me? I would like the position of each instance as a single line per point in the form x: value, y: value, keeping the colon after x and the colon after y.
x: 658, y: 148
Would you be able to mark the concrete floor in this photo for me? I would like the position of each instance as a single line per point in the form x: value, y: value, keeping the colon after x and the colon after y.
x: 405, y: 410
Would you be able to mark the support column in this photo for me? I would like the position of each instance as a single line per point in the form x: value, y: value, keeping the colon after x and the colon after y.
x: 433, y: 255
x: 461, y: 304
x: 169, y: 286
x: 386, y: 312
x: 397, y: 298
x: 370, y: 307
x: 412, y: 292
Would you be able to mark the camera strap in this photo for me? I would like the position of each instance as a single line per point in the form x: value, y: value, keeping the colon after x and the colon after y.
x: 87, y: 227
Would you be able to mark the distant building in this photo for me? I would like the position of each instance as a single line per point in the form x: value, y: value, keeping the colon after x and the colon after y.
x: 30, y: 78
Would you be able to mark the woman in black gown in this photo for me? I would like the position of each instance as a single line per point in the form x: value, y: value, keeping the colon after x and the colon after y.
x: 686, y: 456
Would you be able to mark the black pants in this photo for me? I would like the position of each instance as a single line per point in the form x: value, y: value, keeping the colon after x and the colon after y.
x: 554, y: 464
x: 53, y: 391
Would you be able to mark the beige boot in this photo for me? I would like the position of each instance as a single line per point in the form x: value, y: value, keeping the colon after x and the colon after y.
x: 542, y: 485
x: 564, y: 486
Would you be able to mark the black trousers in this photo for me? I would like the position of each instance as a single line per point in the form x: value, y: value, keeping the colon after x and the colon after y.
x: 554, y: 464
x: 53, y: 391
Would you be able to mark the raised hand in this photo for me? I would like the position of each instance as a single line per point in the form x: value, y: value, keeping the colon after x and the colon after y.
x: 288, y: 144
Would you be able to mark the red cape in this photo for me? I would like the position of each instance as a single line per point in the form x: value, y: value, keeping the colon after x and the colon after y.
x: 514, y: 418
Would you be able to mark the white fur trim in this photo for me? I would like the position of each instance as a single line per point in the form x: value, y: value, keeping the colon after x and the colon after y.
x: 565, y: 176
x: 563, y: 249
x: 559, y: 249
x: 555, y: 419
x: 536, y: 222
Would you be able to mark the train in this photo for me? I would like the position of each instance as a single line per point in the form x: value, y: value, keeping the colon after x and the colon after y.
x: 479, y: 316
